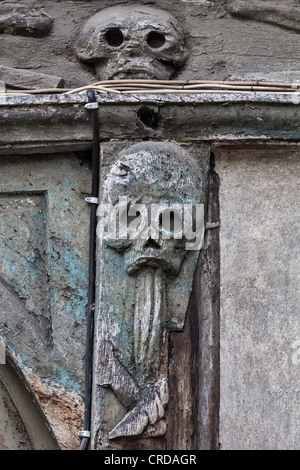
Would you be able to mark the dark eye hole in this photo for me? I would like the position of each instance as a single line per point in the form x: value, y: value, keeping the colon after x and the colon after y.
x: 114, y: 37
x: 155, y: 40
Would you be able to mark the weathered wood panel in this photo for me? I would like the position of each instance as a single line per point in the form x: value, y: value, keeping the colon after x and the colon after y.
x: 60, y: 122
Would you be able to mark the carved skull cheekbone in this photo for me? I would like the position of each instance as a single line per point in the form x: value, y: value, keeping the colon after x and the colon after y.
x: 132, y: 41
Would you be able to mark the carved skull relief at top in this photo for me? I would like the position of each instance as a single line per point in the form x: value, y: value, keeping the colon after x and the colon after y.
x: 132, y: 42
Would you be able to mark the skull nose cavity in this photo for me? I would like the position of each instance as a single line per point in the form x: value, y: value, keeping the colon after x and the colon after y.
x: 150, y: 243
x: 155, y: 40
x: 114, y: 37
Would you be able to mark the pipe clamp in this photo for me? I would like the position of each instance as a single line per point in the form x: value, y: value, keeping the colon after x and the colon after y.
x: 93, y: 105
x: 92, y: 200
x: 84, y: 434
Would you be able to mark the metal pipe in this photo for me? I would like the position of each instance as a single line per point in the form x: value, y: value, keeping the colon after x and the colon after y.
x: 92, y: 274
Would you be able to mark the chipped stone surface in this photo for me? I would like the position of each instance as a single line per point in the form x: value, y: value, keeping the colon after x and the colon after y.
x: 228, y: 117
x: 17, y: 78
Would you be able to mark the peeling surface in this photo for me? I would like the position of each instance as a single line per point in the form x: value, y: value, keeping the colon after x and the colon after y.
x: 259, y: 307
x: 43, y: 283
x: 64, y: 410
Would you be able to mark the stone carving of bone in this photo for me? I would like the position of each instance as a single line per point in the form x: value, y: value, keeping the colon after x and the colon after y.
x: 132, y: 41
x: 147, y: 173
x: 147, y: 405
x: 283, y: 14
x: 151, y: 263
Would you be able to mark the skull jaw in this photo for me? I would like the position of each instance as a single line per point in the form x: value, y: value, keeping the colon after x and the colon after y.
x: 134, y: 69
x: 134, y: 262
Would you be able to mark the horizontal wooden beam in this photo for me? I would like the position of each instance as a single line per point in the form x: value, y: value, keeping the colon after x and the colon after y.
x: 60, y: 122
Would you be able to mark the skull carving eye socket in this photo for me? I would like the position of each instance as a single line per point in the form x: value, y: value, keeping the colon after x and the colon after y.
x: 170, y: 224
x: 155, y: 40
x: 114, y: 37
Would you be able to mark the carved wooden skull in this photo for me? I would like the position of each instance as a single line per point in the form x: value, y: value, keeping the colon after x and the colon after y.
x: 143, y: 175
x: 132, y: 41
x: 153, y: 174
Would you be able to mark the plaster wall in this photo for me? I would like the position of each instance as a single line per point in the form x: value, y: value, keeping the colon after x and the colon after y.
x: 259, y: 304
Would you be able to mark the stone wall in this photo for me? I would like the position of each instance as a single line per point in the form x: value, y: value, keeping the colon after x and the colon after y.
x: 224, y: 39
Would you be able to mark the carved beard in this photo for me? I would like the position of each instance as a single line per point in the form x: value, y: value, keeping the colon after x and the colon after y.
x: 149, y: 322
